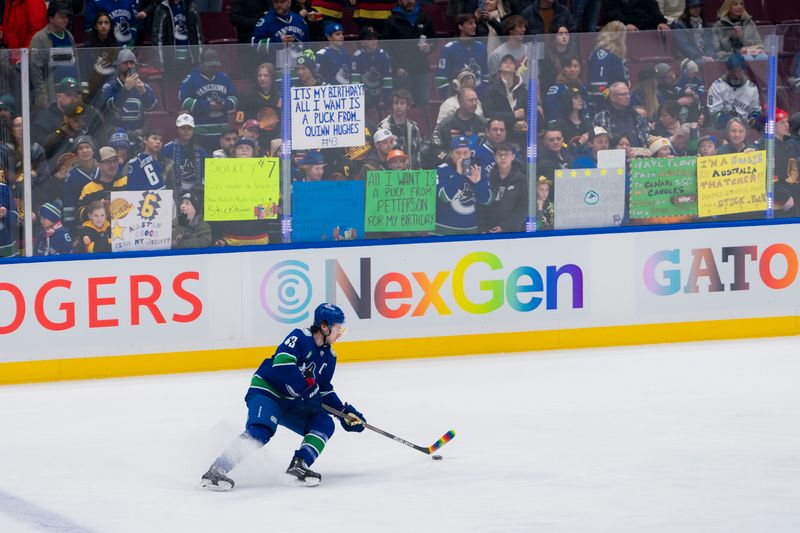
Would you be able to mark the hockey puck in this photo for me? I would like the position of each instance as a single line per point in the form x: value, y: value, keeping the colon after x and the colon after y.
x: 436, y: 457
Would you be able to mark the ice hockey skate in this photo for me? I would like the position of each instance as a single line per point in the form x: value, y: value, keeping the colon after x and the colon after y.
x: 215, y: 479
x: 303, y: 475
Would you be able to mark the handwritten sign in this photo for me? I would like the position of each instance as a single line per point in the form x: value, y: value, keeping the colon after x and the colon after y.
x: 245, y: 188
x: 324, y: 211
x: 400, y: 200
x: 589, y: 197
x: 731, y: 183
x: 328, y: 116
x: 663, y: 188
x: 141, y: 220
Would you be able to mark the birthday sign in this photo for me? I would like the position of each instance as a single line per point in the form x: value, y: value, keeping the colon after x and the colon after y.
x: 245, y: 188
x: 328, y: 116
x: 731, y: 183
x: 400, y: 200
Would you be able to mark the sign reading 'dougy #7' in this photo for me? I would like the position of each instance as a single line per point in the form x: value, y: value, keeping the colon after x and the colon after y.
x: 328, y: 116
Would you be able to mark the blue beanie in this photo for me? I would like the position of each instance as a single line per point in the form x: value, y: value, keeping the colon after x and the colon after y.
x: 51, y: 212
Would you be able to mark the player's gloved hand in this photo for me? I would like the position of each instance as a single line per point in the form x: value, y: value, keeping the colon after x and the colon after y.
x: 354, y: 421
x: 311, y: 399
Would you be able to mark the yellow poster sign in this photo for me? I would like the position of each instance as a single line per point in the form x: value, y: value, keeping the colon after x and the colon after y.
x: 242, y: 188
x: 731, y: 183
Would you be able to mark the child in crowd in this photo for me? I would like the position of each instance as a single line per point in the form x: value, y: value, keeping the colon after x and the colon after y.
x: 95, y: 233
x: 53, y: 239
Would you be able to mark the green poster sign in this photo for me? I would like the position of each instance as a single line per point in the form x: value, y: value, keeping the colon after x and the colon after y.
x: 663, y: 187
x: 400, y: 200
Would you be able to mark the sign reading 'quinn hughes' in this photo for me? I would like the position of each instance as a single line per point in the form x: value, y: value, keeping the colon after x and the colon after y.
x: 328, y: 116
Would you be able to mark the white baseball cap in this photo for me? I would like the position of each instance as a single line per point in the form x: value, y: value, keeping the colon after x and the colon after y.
x: 184, y: 119
x: 381, y: 135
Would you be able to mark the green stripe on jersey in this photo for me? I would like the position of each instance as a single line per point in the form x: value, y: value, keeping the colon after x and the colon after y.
x: 258, y: 383
x: 284, y: 358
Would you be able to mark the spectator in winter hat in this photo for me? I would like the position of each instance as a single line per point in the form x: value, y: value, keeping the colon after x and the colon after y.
x: 244, y: 147
x: 53, y: 237
x: 85, y: 171
x: 189, y: 228
x: 126, y: 97
x: 306, y: 70
x: 660, y: 147
x: 312, y: 166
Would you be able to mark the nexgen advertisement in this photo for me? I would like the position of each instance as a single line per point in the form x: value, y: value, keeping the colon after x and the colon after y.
x: 177, y: 303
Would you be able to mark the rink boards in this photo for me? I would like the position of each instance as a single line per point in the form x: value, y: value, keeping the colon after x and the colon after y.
x: 208, y: 311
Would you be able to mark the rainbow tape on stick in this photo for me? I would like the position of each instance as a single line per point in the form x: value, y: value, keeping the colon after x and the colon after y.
x: 447, y: 437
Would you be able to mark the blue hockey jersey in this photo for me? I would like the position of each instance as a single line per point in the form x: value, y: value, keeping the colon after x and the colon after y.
x: 196, y: 94
x: 122, y: 14
x: 459, y: 55
x: 189, y: 164
x: 374, y: 70
x: 270, y: 28
x: 554, y: 102
x: 605, y: 68
x: 145, y: 173
x: 54, y: 242
x: 334, y: 66
x: 457, y: 198
x: 283, y: 376
x: 126, y: 107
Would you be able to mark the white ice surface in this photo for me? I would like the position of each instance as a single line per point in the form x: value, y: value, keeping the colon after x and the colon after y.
x: 674, y: 438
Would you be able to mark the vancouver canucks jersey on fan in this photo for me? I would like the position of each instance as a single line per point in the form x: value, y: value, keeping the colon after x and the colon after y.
x: 374, y: 70
x: 462, y: 54
x: 605, y: 68
x: 145, y: 173
x: 283, y: 377
x: 333, y: 65
x: 196, y: 93
x: 271, y: 28
x: 121, y: 12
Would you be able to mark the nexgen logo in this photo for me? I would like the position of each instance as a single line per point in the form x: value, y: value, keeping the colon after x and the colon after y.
x: 395, y: 294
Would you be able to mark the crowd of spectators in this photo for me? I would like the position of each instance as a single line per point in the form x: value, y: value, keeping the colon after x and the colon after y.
x: 105, y: 110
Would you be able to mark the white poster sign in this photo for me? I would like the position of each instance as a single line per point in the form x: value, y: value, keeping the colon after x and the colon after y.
x: 611, y: 159
x: 141, y: 220
x: 589, y: 197
x: 328, y: 116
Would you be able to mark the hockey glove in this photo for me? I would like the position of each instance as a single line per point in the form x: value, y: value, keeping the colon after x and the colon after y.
x: 311, y: 400
x: 354, y: 421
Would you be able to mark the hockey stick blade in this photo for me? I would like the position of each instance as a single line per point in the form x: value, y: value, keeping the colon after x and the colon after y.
x: 447, y: 437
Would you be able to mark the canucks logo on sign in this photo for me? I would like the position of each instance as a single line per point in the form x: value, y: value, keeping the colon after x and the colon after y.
x: 285, y: 292
x: 591, y: 198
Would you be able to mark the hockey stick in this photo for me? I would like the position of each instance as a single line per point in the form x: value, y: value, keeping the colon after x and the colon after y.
x: 447, y: 437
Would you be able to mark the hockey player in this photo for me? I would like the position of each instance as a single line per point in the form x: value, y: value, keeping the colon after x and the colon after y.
x: 289, y: 390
